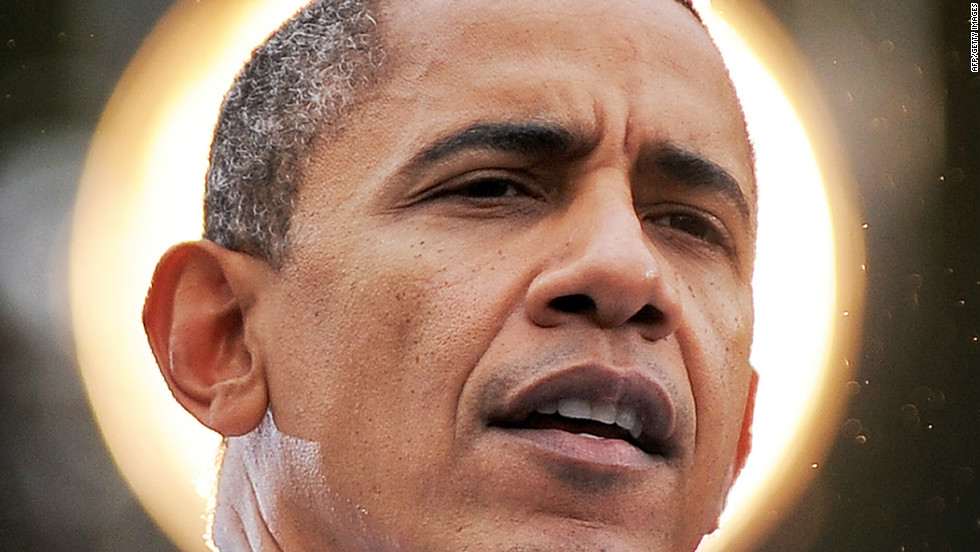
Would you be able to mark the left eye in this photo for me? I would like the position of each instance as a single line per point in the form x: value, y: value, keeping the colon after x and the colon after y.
x: 698, y: 226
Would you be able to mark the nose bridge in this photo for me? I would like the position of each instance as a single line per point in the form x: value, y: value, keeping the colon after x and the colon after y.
x: 605, y: 229
x: 608, y: 270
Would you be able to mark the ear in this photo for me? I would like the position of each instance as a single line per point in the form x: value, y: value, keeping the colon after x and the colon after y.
x: 745, y: 438
x: 196, y: 317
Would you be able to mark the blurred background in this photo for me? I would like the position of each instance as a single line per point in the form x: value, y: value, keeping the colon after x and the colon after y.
x: 903, y: 473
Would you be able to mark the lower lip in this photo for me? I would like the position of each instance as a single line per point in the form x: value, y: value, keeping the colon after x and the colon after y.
x: 585, y: 449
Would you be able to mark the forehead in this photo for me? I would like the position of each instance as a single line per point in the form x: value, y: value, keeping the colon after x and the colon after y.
x: 510, y: 17
x: 646, y: 65
x: 428, y: 36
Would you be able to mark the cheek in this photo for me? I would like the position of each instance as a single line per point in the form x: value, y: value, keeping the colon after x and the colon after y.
x: 717, y: 331
x: 389, y: 338
x: 715, y: 342
x: 373, y: 347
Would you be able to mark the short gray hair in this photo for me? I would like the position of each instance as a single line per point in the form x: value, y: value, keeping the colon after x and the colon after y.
x: 303, y: 79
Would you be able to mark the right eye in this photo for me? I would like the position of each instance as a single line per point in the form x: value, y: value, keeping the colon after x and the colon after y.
x: 486, y: 187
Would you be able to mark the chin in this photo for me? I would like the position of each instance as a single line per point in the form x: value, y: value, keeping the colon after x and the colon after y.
x: 567, y: 535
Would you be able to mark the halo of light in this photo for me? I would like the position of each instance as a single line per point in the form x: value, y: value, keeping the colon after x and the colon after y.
x: 142, y: 191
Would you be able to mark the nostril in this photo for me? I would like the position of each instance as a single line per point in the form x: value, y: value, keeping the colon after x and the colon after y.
x: 573, y: 304
x: 648, y: 315
x: 581, y: 304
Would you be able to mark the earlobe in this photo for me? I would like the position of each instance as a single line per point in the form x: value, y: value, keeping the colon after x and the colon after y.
x: 196, y: 318
x: 745, y: 437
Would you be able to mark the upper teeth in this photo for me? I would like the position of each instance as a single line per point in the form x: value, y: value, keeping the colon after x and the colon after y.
x: 602, y: 412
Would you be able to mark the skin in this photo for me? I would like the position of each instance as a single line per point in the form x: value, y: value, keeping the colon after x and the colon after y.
x: 433, y: 280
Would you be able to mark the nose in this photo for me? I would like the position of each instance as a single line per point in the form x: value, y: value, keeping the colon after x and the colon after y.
x: 606, y: 271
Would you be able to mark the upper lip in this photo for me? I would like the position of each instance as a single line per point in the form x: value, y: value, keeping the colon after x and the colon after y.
x: 596, y: 383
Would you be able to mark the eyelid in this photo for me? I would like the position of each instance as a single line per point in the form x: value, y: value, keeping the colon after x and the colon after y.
x: 717, y: 224
x: 451, y: 186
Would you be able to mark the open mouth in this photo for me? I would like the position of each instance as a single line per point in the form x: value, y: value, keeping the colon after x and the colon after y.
x: 599, y: 420
x: 595, y: 404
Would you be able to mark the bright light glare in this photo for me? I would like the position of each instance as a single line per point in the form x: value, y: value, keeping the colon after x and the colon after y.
x: 795, y: 269
x: 142, y: 191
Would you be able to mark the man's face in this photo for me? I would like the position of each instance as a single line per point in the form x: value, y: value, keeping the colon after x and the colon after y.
x: 543, y: 206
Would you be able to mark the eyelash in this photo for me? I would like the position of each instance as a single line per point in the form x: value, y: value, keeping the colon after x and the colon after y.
x: 481, y: 188
x: 700, y: 226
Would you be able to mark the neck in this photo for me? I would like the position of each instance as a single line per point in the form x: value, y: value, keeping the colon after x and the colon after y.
x: 255, y: 472
x: 239, y: 523
x: 273, y: 497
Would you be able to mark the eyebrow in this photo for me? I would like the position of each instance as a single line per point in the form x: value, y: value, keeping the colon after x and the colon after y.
x: 695, y: 172
x: 550, y: 140
x: 528, y: 139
